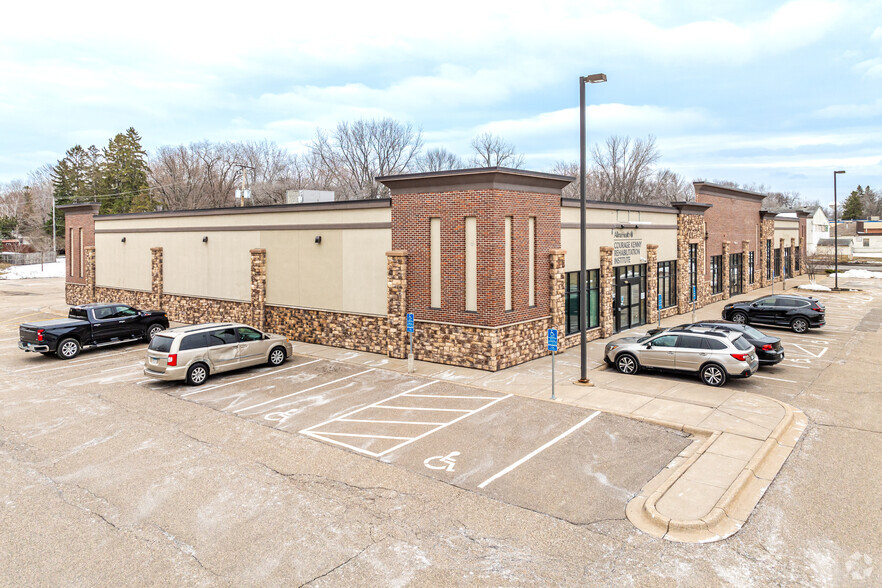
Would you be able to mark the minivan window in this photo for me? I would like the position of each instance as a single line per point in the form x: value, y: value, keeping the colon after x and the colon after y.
x: 246, y: 334
x: 221, y: 337
x: 78, y: 313
x: 161, y: 344
x: 742, y: 344
x: 196, y: 341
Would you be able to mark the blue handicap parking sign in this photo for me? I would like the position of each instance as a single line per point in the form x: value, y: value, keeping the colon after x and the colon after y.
x: 552, y: 339
x: 693, y: 292
x: 410, y: 322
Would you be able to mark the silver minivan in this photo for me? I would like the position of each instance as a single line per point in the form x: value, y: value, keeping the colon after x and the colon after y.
x: 715, y: 355
x: 192, y: 353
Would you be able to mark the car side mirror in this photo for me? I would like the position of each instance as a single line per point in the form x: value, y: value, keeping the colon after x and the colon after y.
x: 648, y: 344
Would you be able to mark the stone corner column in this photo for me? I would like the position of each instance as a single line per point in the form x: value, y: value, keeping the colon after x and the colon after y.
x: 652, y: 308
x: 156, y: 275
x: 780, y: 276
x: 793, y: 257
x: 725, y: 270
x: 258, y: 288
x: 745, y: 267
x: 89, y: 273
x: 557, y: 293
x: 396, y: 303
x: 607, y: 292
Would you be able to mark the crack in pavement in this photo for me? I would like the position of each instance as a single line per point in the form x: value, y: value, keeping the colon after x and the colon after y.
x: 186, y: 549
x: 337, y: 567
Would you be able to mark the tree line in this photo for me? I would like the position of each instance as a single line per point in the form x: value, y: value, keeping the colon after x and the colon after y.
x: 123, y: 177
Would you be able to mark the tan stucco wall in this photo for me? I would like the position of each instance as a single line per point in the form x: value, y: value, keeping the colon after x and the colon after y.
x: 666, y: 239
x: 123, y: 265
x: 346, y: 272
x: 786, y: 229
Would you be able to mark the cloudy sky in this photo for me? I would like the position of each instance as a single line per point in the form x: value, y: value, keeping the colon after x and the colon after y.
x: 753, y: 91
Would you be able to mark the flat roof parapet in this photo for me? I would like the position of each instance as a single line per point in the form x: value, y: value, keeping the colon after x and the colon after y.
x: 726, y: 192
x: 606, y: 204
x: 335, y: 205
x: 482, y: 178
x: 690, y: 207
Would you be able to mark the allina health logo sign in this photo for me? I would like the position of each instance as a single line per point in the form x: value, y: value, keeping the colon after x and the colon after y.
x: 627, y: 247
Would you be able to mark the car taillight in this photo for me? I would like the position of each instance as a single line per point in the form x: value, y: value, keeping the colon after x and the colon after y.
x: 767, y: 347
x: 172, y: 359
x: 741, y: 356
x: 40, y: 334
x: 816, y: 308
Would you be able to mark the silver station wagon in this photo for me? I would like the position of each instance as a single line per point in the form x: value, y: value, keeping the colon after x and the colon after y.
x: 192, y: 353
x: 715, y: 355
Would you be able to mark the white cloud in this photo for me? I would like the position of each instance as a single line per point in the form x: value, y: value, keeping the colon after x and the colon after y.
x: 851, y: 110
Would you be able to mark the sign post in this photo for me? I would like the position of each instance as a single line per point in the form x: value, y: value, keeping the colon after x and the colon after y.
x: 693, y: 304
x: 658, y: 310
x: 552, y: 347
x: 410, y: 333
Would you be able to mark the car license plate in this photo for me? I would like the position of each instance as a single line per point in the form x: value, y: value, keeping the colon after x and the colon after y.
x: 153, y: 360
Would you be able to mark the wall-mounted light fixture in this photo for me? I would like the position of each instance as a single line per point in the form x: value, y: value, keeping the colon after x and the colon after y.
x: 318, y: 239
x: 123, y: 240
x: 205, y: 239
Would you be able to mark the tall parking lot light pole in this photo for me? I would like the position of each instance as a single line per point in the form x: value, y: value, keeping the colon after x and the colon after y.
x: 583, y: 246
x: 835, y: 234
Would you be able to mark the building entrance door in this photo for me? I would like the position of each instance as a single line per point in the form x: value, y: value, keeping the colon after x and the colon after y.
x: 629, y: 305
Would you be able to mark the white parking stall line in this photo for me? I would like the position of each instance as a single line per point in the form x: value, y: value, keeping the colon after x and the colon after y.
x: 802, y: 367
x: 429, y: 409
x: 776, y: 379
x: 301, y: 391
x: 260, y: 375
x: 388, y: 422
x: 444, y: 396
x: 358, y: 435
x: 71, y: 362
x: 538, y: 451
x: 130, y: 366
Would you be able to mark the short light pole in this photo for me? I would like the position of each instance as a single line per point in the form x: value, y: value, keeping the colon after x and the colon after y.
x: 835, y: 234
x: 583, y: 244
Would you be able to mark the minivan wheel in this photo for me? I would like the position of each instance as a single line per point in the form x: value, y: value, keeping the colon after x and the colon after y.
x: 68, y: 349
x: 277, y: 356
x: 197, y: 374
x: 153, y: 329
x: 799, y: 325
x: 740, y: 318
x: 627, y: 364
x: 713, y: 375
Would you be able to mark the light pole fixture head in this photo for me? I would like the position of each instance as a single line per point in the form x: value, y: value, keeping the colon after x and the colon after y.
x: 594, y: 78
x: 839, y: 172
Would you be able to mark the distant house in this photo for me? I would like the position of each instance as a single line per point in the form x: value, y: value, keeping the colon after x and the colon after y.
x: 844, y: 247
x: 10, y: 245
x: 818, y: 226
x: 867, y: 241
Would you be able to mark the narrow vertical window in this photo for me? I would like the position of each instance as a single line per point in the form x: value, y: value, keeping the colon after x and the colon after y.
x: 69, y: 247
x: 531, y: 269
x: 435, y: 261
x: 471, y: 264
x: 508, y: 263
x: 82, y: 252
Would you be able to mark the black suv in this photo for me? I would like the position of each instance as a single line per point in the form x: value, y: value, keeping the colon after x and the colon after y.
x: 788, y: 310
x: 768, y: 349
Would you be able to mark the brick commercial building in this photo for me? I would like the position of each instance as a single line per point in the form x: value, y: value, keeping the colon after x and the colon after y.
x: 486, y: 259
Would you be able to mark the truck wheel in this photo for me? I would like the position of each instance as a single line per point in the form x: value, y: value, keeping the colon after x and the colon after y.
x: 153, y: 329
x: 68, y: 349
x: 197, y: 374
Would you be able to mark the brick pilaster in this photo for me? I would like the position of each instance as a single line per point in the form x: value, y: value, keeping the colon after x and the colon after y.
x: 557, y: 290
x: 607, y: 292
x: 258, y: 288
x: 725, y: 270
x: 652, y: 309
x: 745, y: 267
x: 89, y: 273
x: 396, y: 303
x: 156, y: 275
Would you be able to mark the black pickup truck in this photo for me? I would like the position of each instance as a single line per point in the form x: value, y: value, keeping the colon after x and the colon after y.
x: 91, y: 325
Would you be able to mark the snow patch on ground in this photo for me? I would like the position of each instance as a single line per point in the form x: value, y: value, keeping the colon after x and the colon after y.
x: 858, y: 273
x: 22, y: 272
x: 814, y: 288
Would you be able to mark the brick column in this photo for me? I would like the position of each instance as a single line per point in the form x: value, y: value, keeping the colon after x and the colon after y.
x: 89, y: 273
x: 557, y: 289
x: 156, y: 275
x: 652, y: 308
x: 745, y: 267
x: 258, y: 288
x: 725, y: 270
x: 607, y: 292
x: 396, y: 303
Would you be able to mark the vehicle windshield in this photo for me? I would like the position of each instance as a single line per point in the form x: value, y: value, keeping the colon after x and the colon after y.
x: 645, y: 337
x: 742, y: 344
x: 161, y: 344
x: 753, y: 333
x: 78, y: 313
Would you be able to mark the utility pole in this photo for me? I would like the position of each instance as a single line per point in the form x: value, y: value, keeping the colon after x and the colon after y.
x: 242, y: 168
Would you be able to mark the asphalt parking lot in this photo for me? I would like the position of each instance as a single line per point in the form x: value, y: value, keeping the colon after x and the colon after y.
x: 567, y: 462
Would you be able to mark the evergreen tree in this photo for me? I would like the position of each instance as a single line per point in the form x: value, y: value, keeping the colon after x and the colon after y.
x: 853, y: 207
x: 8, y: 224
x: 125, y: 175
x: 75, y: 178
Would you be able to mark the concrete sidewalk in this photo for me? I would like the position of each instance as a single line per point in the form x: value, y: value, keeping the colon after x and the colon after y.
x: 741, y: 440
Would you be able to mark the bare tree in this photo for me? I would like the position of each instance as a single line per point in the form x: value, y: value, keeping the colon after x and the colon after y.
x: 492, y: 150
x: 201, y: 175
x: 438, y: 159
x: 356, y: 153
x: 624, y: 169
x: 568, y: 168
